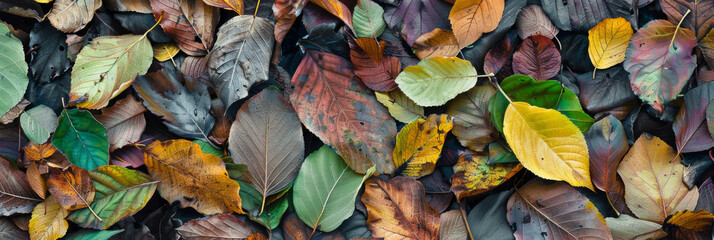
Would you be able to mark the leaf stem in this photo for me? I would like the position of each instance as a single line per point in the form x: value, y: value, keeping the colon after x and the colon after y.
x: 671, y: 43
x: 463, y: 216
x: 257, y: 5
x: 80, y: 197
x: 495, y: 84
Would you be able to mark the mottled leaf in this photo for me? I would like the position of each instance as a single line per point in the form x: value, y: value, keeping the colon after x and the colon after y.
x: 72, y: 187
x: 473, y: 175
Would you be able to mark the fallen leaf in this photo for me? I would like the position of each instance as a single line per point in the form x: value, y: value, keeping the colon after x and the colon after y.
x: 690, y: 126
x: 413, y: 18
x: 438, y: 42
x: 38, y: 123
x: 609, y: 89
x: 452, y: 226
x: 700, y: 20
x: 689, y: 225
x: 72, y: 187
x: 224, y: 226
x: 196, y: 68
x: 627, y: 227
x: 23, y: 8
x: 397, y: 209
x: 547, y: 144
x: 234, y: 5
x: 533, y: 21
x: 252, y: 200
x: 537, y: 57
x: 647, y: 170
x: 72, y: 15
x: 607, y: 145
x: 47, y: 221
x: 36, y: 180
x: 124, y: 122
x: 82, y: 139
x: 400, y: 106
x: 16, y: 195
x: 325, y: 190
x: 93, y: 234
x: 190, y: 22
x: 336, y: 8
x: 8, y: 230
x: 554, y: 210
x: 487, y: 220
x: 232, y: 70
x: 140, y: 6
x: 323, y: 82
x: 368, y: 20
x: 706, y: 45
x: 498, y: 154
x: 472, y: 18
x: 120, y: 192
x: 498, y: 59
x: 659, y: 62
x: 13, y: 74
x: 436, y: 80
x: 472, y: 120
x: 473, y: 175
x: 107, y: 67
x: 165, y: 51
x: 419, y: 145
x: 48, y: 59
x: 378, y: 73
x: 608, y: 42
x: 194, y: 178
x: 706, y: 196
x: 14, y: 112
x: 267, y: 137
x: 566, y: 16
x: 285, y: 11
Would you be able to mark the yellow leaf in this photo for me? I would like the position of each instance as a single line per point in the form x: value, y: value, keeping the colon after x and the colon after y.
x: 165, y: 51
x: 608, y: 42
x: 690, y: 225
x: 194, y: 178
x: 547, y: 144
x: 235, y: 5
x: 472, y: 18
x: 652, y: 173
x: 47, y: 222
x: 473, y: 175
x: 43, y: 1
x: 419, y: 145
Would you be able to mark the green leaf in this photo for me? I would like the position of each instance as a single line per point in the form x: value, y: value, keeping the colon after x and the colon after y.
x: 368, y: 19
x: 93, y: 234
x: 120, y: 192
x: 82, y: 139
x: 498, y: 154
x: 107, y: 67
x: 38, y: 122
x: 400, y: 106
x: 251, y: 201
x: 13, y: 70
x: 208, y: 148
x: 546, y: 94
x: 325, y: 190
x: 436, y: 80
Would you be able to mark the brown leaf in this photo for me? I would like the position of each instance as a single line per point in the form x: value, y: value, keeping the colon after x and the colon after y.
x: 72, y: 15
x: 472, y: 120
x: 336, y: 8
x: 14, y: 112
x: 195, y: 68
x: 537, y: 57
x: 376, y: 70
x: 472, y: 18
x: 36, y: 180
x: 532, y: 20
x: 190, y: 22
x: 38, y: 152
x: 397, y: 209
x: 234, y: 5
x: 194, y: 178
x: 473, y: 175
x: 124, y: 122
x: 70, y: 186
x: 224, y: 226
x: 16, y: 195
x: 689, y: 225
x: 499, y: 59
x: 438, y: 42
x: 554, y: 210
x: 222, y: 128
x: 700, y: 20
x: 452, y: 226
x: 141, y: 6
x: 285, y: 12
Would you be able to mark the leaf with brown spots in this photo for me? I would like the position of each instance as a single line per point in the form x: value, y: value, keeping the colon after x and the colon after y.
x: 72, y: 187
x: 419, y: 145
x: 473, y: 175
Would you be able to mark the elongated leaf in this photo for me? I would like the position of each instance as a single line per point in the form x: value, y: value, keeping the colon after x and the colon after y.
x: 8, y: 230
x: 689, y: 126
x: 472, y: 18
x: 224, y: 226
x: 700, y: 20
x: 107, y: 67
x: 546, y: 94
x: 473, y: 175
x: 378, y: 74
x: 240, y: 57
x: 93, y: 234
x: 368, y: 20
x: 607, y: 145
x: 400, y: 106
x: 325, y: 190
x: 16, y: 195
x: 13, y: 71
x: 659, y: 62
x: 472, y: 120
x: 343, y: 113
x: 436, y: 80
x: 71, y: 187
x: 82, y: 139
x: 413, y: 18
x: 398, y: 210
x: 419, y: 145
x: 438, y: 42
x: 190, y: 22
x: 185, y: 109
x: 47, y: 222
x: 124, y: 122
x: 532, y: 20
x: 120, y: 192
x: 547, y: 144
x: 627, y: 227
x: 72, y: 15
x: 555, y: 210
x: 487, y: 220
x: 194, y: 178
x: 38, y: 123
x: 537, y: 57
x: 266, y: 136
x: 608, y: 42
x: 649, y: 193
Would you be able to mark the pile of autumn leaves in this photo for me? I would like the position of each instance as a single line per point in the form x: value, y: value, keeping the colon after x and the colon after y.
x: 248, y: 173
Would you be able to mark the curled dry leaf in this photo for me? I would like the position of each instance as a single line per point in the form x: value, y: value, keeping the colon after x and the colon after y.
x: 472, y: 18
x: 397, y: 209
x: 72, y: 15
x: 224, y: 226
x: 190, y: 22
x: 72, y: 187
x: 652, y: 173
x: 473, y: 175
x: 532, y: 20
x: 556, y: 211
x: 14, y: 112
x: 47, y: 222
x: 124, y: 122
x: 472, y: 120
x: 438, y: 42
x: 419, y: 145
x: 194, y: 178
x: 538, y: 57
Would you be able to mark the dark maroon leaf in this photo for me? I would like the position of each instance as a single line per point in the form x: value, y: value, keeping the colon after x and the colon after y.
x: 538, y: 57
x: 413, y: 18
x: 379, y: 74
x: 478, y: 51
x: 437, y: 190
x: 499, y: 57
x: 690, y: 127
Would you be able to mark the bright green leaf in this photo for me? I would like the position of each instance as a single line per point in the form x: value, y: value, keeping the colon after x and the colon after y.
x: 251, y: 201
x: 368, y: 19
x: 208, y: 148
x: 38, y: 122
x: 93, y: 234
x: 13, y: 70
x: 325, y: 189
x: 82, y: 139
x: 436, y: 80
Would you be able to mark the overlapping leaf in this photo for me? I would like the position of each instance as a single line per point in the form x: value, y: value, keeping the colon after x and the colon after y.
x: 368, y: 20
x: 72, y: 187
x: 607, y: 145
x: 438, y: 42
x: 690, y: 126
x: 124, y: 122
x: 690, y: 225
x: 72, y: 15
x: 378, y: 74
x: 472, y: 120
x: 700, y: 20
x: 82, y: 139
x: 224, y: 226
x: 234, y: 5
x: 532, y: 20
x: 608, y: 42
x: 473, y: 175
x: 472, y: 18
x: 400, y: 106
x: 419, y: 145
x: 16, y: 196
x: 13, y: 71
x: 38, y: 123
x: 537, y: 57
x: 47, y: 222
x: 190, y: 22
x: 436, y: 80
x: 413, y: 18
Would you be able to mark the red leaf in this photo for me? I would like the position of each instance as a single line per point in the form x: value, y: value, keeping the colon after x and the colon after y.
x: 537, y: 57
x: 193, y: 32
x: 377, y: 73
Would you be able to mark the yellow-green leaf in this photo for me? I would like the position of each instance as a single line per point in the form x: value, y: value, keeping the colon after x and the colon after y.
x: 473, y: 175
x: 47, y: 222
x: 547, y: 144
x: 419, y: 145
x: 400, y: 106
x: 608, y: 42
x: 165, y: 51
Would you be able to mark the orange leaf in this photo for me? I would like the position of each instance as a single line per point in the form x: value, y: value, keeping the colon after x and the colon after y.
x: 194, y: 178
x: 337, y: 8
x: 397, y: 209
x: 472, y: 18
x: 473, y: 175
x: 234, y: 5
x: 689, y: 225
x: 372, y: 67
x: 37, y: 152
x: 438, y: 42
x: 62, y: 186
x: 419, y: 145
x: 37, y: 182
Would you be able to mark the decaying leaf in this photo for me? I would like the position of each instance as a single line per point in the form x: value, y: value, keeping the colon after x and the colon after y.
x: 191, y: 23
x: 72, y: 15
x: 419, y: 145
x: 72, y: 187
x: 452, y: 226
x: 473, y: 175
x: 377, y: 73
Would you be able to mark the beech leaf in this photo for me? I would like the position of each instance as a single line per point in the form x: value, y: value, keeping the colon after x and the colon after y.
x: 13, y: 71
x: 82, y: 139
x: 38, y: 123
x: 436, y: 80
